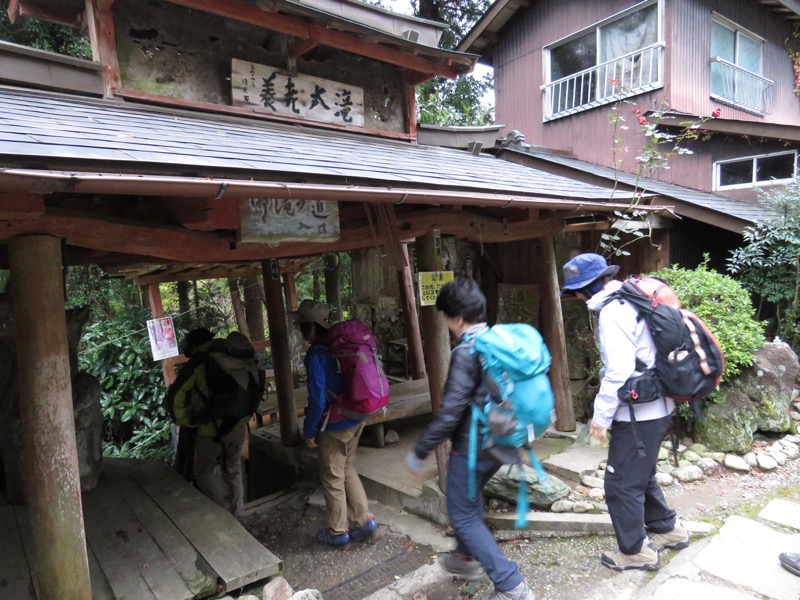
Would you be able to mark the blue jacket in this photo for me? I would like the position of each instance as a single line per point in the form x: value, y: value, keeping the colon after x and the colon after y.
x: 324, y: 382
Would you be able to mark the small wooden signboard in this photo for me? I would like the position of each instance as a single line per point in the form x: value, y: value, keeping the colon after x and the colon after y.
x: 274, y: 221
x: 274, y: 90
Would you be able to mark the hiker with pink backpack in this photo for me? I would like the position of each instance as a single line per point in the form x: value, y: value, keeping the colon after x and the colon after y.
x: 345, y: 386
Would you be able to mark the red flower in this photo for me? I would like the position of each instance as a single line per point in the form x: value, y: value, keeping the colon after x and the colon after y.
x: 716, y: 112
x: 642, y: 120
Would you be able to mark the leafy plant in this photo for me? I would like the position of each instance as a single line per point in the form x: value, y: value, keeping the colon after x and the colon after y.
x: 117, y: 353
x: 659, y: 149
x: 726, y: 308
x: 769, y: 262
x: 45, y: 36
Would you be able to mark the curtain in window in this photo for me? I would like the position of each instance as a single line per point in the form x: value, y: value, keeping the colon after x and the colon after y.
x: 627, y: 35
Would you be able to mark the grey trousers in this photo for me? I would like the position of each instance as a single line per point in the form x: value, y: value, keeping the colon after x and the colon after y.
x: 226, y: 454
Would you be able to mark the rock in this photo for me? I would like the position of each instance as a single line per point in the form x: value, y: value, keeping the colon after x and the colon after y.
x: 391, y: 437
x: 684, y: 463
x: 750, y: 459
x: 582, y: 507
x: 770, y: 384
x: 601, y: 507
x: 307, y: 595
x: 600, y: 474
x: 592, y: 482
x: 665, y: 467
x: 790, y: 450
x: 766, y: 462
x: 597, y: 495
x: 562, y: 506
x: 687, y: 474
x: 663, y: 453
x: 715, y: 456
x: 603, y: 464
x: 792, y: 439
x: 698, y: 448
x: 728, y: 425
x: 505, y: 486
x: 277, y: 589
x: 691, y: 456
x: 664, y: 480
x: 708, y: 465
x: 779, y: 456
x: 794, y: 415
x: 737, y: 463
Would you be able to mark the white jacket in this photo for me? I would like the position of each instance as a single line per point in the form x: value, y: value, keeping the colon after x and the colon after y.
x: 621, y: 339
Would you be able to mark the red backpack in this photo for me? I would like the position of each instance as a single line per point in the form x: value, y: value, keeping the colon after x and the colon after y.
x: 366, y: 388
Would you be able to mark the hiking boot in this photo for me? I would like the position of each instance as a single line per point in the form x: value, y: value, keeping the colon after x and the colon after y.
x: 790, y: 561
x: 333, y: 539
x: 521, y: 592
x: 461, y: 565
x: 647, y: 559
x: 368, y: 532
x: 677, y: 539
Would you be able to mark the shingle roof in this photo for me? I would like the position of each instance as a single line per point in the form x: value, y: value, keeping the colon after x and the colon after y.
x: 85, y: 133
x: 749, y: 213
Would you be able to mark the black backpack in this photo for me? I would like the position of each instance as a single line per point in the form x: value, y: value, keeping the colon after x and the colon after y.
x: 689, y: 361
x: 235, y: 383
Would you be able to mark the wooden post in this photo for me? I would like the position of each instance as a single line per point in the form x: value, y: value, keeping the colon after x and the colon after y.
x: 100, y: 22
x: 552, y: 326
x: 653, y: 252
x: 157, y: 311
x: 281, y: 353
x: 437, y: 342
x: 411, y: 321
x: 290, y: 290
x: 333, y: 295
x: 50, y: 454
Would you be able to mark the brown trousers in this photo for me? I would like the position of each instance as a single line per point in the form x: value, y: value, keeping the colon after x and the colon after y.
x: 225, y: 455
x: 345, y: 498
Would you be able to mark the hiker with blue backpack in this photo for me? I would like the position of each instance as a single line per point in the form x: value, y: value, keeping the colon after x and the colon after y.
x: 476, y: 552
x: 644, y: 523
x: 332, y: 434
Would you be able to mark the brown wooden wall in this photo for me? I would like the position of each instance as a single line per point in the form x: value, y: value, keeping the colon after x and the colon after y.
x: 518, y: 63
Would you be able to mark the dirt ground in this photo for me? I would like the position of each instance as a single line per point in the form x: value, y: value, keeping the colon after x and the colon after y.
x: 557, y: 568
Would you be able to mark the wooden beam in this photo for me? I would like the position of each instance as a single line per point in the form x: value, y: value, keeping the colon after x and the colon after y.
x: 301, y: 47
x: 35, y: 10
x: 552, y: 326
x: 281, y: 355
x: 202, y: 214
x: 20, y: 206
x: 243, y: 12
x: 100, y: 22
x: 437, y: 343
x: 50, y: 457
x: 157, y: 311
x: 411, y: 325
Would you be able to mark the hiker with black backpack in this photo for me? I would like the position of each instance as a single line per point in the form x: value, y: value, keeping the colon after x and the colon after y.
x: 464, y: 306
x: 333, y: 434
x: 213, y: 397
x: 644, y: 523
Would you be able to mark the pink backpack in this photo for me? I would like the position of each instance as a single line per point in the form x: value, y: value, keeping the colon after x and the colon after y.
x: 366, y: 389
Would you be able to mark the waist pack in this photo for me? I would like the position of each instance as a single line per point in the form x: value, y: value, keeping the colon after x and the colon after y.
x: 366, y: 388
x: 518, y: 405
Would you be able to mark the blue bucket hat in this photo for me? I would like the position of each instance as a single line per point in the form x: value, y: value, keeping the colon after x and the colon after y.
x: 583, y: 270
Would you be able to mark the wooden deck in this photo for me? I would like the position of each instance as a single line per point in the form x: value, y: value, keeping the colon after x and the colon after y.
x: 150, y: 536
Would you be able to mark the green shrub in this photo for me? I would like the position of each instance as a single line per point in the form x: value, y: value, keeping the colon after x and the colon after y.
x: 117, y: 352
x: 726, y: 308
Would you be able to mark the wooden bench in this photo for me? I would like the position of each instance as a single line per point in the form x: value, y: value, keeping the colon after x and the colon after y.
x: 406, y: 399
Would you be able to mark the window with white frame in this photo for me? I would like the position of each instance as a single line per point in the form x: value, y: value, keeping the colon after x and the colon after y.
x: 737, y: 67
x: 617, y: 58
x: 780, y: 167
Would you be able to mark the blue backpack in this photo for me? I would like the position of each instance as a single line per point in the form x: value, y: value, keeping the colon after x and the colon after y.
x: 519, y: 402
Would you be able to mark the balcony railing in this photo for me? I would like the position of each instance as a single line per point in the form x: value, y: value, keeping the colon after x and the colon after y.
x: 623, y: 77
x: 739, y: 87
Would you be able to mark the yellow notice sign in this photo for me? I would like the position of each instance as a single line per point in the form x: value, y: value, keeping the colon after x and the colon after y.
x: 430, y: 282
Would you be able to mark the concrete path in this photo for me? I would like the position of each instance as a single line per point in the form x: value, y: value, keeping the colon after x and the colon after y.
x: 737, y: 562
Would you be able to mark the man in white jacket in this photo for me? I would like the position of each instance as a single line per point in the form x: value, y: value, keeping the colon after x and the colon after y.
x: 643, y: 522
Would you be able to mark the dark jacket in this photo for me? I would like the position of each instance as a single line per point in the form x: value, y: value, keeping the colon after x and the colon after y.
x: 462, y: 388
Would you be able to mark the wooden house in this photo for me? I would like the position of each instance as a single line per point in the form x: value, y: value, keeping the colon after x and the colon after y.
x: 563, y: 71
x: 227, y: 137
